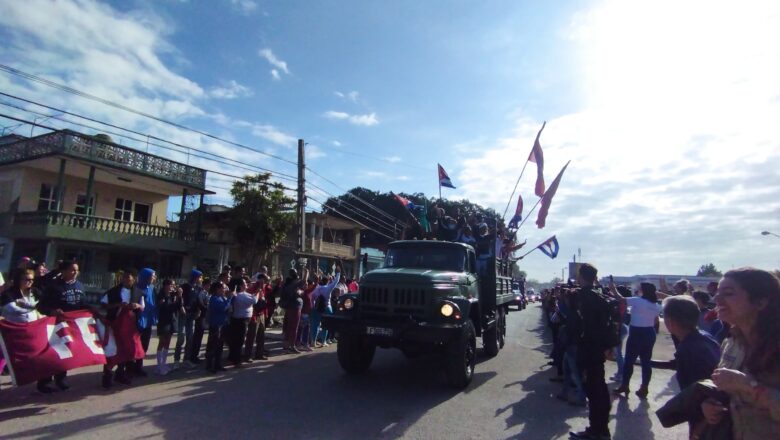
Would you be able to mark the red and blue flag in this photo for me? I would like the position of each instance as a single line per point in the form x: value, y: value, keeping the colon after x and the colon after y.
x: 550, y: 247
x: 444, y: 179
x: 518, y: 214
x: 404, y: 201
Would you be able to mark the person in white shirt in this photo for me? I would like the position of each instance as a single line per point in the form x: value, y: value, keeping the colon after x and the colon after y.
x: 20, y: 301
x: 641, y: 336
x: 241, y: 311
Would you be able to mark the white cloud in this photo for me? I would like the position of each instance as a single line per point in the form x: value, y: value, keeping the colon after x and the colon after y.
x: 674, y: 153
x: 273, y: 134
x: 365, y: 120
x: 336, y: 143
x: 314, y: 152
x: 96, y: 49
x: 246, y: 7
x: 231, y: 90
x: 349, y: 96
x: 278, y: 64
x: 393, y: 159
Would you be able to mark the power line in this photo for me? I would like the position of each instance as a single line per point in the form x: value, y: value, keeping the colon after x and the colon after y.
x: 352, y: 195
x: 344, y: 205
x: 357, y: 209
x: 351, y: 219
x: 146, y: 135
x: 85, y: 95
x: 381, y: 159
x: 13, y: 118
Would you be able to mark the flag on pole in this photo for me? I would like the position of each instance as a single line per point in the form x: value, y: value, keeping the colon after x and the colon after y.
x: 550, y: 247
x: 444, y: 179
x: 537, y: 157
x: 547, y: 198
x: 404, y: 201
x: 518, y: 214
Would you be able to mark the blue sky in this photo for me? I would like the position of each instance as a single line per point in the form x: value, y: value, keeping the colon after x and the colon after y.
x: 669, y: 112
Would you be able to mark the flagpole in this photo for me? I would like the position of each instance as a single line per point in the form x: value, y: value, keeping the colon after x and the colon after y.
x: 535, y: 248
x: 523, y: 170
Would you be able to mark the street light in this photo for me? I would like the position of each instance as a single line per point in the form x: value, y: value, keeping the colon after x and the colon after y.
x: 769, y: 233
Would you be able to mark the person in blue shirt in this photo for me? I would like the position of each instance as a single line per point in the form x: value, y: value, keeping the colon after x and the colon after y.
x: 218, y: 316
x: 147, y: 315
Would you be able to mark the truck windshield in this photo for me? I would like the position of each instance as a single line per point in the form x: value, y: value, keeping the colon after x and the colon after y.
x: 421, y: 258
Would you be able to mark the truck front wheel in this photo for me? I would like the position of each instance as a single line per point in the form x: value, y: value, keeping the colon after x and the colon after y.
x: 355, y: 353
x: 461, y: 357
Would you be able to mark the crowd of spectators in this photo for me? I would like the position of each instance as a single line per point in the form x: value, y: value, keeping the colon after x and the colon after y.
x: 230, y: 310
x: 727, y: 351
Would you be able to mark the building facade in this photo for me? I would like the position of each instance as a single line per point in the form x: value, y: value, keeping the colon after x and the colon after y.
x: 65, y: 195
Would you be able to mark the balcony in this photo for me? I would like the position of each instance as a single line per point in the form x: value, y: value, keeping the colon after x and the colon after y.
x: 65, y: 225
x: 321, y: 247
x: 81, y: 147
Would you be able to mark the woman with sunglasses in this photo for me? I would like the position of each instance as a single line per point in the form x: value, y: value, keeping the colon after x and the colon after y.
x: 20, y: 301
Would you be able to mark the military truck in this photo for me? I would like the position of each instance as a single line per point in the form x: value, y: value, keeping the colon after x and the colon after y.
x: 429, y: 296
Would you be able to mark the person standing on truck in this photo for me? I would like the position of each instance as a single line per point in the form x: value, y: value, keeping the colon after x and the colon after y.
x: 593, y: 314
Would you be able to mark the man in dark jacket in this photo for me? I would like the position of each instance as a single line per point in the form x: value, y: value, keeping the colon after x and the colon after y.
x: 593, y: 318
x: 186, y: 325
x: 114, y: 300
x: 63, y: 294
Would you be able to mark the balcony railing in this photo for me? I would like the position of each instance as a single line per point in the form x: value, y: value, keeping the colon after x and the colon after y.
x: 94, y: 223
x: 95, y: 150
x: 323, y: 247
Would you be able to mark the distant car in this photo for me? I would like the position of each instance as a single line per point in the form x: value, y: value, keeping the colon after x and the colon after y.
x: 518, y: 300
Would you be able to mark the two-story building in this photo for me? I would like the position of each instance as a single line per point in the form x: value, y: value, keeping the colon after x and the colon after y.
x: 65, y: 195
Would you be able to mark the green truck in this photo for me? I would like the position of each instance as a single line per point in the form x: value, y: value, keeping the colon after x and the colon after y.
x: 429, y: 296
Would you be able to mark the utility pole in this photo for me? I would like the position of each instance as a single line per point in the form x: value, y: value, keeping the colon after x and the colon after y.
x: 301, y: 214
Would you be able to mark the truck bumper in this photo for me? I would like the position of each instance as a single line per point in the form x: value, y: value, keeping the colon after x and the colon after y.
x: 396, y: 334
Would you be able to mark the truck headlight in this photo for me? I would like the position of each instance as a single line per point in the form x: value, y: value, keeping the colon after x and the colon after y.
x: 349, y: 304
x: 447, y: 310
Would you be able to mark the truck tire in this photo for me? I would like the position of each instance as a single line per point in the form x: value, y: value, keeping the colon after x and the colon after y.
x: 461, y: 357
x: 490, y: 339
x: 501, y: 324
x: 355, y: 353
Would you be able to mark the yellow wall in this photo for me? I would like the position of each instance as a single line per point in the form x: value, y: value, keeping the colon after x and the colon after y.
x: 28, y: 185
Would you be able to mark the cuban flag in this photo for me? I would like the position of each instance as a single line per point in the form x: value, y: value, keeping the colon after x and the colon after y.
x: 518, y: 214
x: 404, y: 201
x: 444, y: 179
x: 550, y: 247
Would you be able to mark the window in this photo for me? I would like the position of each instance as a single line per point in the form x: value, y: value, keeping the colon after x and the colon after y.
x: 123, y: 210
x: 141, y: 213
x: 127, y: 210
x: 47, y: 199
x: 81, y: 205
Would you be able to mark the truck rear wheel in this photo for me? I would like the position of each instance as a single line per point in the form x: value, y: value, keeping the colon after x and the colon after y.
x: 355, y: 353
x: 461, y: 357
x: 490, y: 339
x: 501, y: 324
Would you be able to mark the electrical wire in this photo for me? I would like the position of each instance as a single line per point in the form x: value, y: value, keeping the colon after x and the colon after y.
x: 85, y: 95
x: 324, y: 205
x: 146, y: 135
x: 351, y: 209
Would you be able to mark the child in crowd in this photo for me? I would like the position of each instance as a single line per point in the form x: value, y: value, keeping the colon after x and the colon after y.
x: 169, y: 308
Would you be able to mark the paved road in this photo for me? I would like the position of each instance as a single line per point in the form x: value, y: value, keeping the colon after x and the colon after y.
x: 308, y: 396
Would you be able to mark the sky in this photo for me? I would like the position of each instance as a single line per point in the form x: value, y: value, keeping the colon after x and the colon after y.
x: 668, y: 111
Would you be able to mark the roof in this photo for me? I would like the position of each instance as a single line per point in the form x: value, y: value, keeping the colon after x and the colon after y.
x: 100, y: 150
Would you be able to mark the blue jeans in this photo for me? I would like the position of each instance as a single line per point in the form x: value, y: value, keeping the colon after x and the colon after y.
x: 619, y: 359
x: 184, y: 330
x: 315, y: 319
x: 640, y: 344
x: 572, y: 377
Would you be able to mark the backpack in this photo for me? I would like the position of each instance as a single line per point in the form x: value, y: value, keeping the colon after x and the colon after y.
x: 612, y: 328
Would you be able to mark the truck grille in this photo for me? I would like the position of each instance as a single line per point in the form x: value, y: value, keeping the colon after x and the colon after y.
x: 389, y: 303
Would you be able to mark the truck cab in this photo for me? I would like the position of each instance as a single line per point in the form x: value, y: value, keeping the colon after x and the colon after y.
x: 429, y: 296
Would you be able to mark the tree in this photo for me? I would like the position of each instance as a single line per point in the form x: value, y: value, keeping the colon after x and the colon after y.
x: 262, y: 215
x: 708, y: 270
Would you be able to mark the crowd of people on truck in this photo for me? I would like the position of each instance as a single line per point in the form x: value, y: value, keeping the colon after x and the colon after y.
x: 234, y: 308
x: 727, y: 351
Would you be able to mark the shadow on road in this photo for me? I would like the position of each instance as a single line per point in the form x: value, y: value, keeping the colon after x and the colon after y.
x: 303, y: 396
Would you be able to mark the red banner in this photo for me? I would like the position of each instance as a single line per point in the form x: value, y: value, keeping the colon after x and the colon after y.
x: 122, y: 342
x: 38, y: 349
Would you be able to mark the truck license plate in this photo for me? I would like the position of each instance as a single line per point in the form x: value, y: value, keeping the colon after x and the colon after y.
x: 380, y: 331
